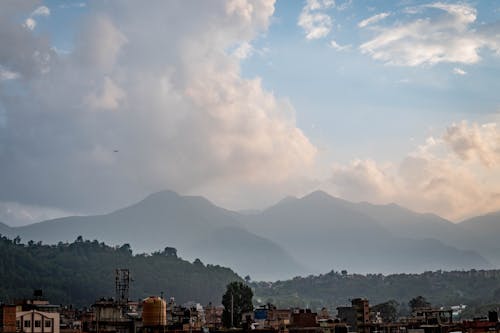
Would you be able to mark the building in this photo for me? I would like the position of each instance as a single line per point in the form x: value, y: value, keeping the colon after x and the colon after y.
x: 213, y: 316
x: 7, y: 318
x: 304, y: 321
x: 35, y: 321
x: 356, y: 316
x: 110, y: 316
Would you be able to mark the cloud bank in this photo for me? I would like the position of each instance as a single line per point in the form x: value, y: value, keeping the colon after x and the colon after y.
x: 453, y: 175
x: 150, y: 98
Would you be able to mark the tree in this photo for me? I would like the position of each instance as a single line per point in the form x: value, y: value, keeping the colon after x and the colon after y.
x: 170, y: 252
x: 238, y: 297
x: 388, y: 310
x: 418, y: 302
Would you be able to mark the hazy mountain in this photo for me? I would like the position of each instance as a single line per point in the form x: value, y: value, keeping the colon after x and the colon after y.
x: 479, y: 234
x: 326, y: 232
x: 313, y: 234
x: 482, y: 233
x: 403, y: 222
x: 4, y: 229
x: 193, y: 225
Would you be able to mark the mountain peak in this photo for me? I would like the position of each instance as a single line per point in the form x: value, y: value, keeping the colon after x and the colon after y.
x: 161, y: 195
x: 320, y: 195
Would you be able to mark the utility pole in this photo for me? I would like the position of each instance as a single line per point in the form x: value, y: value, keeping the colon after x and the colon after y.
x: 232, y: 310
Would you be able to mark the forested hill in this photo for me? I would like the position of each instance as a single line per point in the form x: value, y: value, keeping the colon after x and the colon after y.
x: 474, y: 287
x: 80, y: 272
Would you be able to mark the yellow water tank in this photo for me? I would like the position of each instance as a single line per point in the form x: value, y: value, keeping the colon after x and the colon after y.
x: 154, y: 312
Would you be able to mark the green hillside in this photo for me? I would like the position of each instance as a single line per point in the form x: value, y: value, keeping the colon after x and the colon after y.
x: 80, y: 272
x: 474, y: 287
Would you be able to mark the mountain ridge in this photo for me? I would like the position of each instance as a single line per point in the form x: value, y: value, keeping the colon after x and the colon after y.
x: 311, y: 234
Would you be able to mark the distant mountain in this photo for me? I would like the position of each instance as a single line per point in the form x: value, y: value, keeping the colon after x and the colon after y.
x: 479, y: 234
x: 193, y: 225
x: 4, y: 229
x: 313, y: 234
x: 482, y: 233
x: 327, y: 232
x: 403, y: 222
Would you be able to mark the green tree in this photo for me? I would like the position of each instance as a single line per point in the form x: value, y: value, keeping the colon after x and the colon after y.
x: 388, y: 310
x: 238, y: 297
x: 418, y: 302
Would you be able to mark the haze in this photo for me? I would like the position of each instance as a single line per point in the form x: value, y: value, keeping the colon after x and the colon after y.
x: 248, y: 101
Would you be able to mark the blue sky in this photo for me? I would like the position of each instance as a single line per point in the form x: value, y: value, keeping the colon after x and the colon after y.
x: 246, y: 102
x: 335, y: 91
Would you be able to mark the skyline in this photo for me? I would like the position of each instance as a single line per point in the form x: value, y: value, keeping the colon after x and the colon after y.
x: 246, y: 102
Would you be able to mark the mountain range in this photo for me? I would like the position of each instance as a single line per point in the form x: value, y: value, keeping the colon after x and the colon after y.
x: 297, y: 236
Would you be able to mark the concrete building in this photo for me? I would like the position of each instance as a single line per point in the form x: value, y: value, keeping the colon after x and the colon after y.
x: 35, y: 321
x: 356, y: 316
x: 110, y: 316
x: 7, y: 318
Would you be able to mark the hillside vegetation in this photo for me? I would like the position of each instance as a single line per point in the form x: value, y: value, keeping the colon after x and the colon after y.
x: 80, y: 272
x: 474, y: 288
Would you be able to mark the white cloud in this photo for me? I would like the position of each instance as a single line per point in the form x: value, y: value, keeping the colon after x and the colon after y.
x: 41, y: 11
x: 363, y: 180
x: 183, y: 116
x: 445, y: 36
x: 334, y: 45
x: 431, y: 179
x: 244, y: 50
x: 6, y: 74
x: 73, y: 5
x: 108, y: 97
x: 480, y: 142
x: 30, y: 23
x: 345, y: 5
x: 459, y: 71
x: 373, y: 19
x: 313, y: 19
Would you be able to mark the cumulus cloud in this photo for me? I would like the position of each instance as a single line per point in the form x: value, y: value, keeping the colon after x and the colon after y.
x: 41, y: 11
x: 6, y: 74
x: 334, y: 45
x: 459, y: 71
x: 30, y: 22
x: 445, y: 34
x: 373, y: 19
x: 480, y: 142
x: 158, y: 85
x: 363, y: 180
x: 430, y: 179
x: 313, y: 19
x: 244, y: 50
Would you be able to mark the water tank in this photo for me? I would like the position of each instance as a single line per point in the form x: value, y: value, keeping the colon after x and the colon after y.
x: 154, y: 312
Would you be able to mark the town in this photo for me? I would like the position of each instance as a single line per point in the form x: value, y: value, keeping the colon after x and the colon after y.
x: 156, y: 314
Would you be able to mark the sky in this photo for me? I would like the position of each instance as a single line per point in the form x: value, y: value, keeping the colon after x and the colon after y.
x: 248, y: 101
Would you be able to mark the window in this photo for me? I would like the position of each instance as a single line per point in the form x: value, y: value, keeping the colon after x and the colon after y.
x: 27, y: 323
x: 18, y: 323
x: 38, y: 323
x: 48, y: 323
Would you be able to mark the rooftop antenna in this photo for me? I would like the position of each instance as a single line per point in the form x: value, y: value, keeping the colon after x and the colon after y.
x: 122, y: 283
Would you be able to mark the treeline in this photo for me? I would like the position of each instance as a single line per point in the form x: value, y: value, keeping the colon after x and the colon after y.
x: 473, y: 288
x: 78, y: 273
